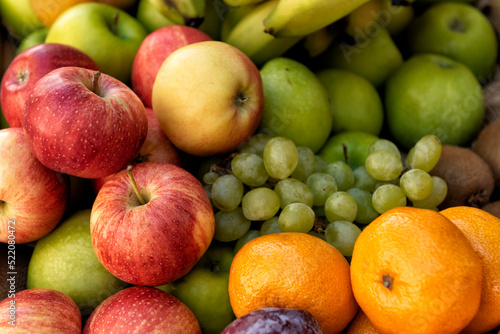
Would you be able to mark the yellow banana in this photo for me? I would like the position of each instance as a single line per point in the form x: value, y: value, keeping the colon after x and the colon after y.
x: 184, y: 12
x: 233, y: 16
x: 238, y: 3
x: 297, y: 18
x: 249, y: 36
x: 318, y: 42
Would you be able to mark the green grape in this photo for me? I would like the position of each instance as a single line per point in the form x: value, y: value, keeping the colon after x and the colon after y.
x: 256, y: 144
x: 260, y: 204
x: 251, y: 234
x: 340, y: 206
x: 383, y: 165
x: 296, y: 217
x: 280, y: 157
x: 293, y: 191
x: 270, y: 226
x: 322, y: 185
x: 249, y: 168
x: 417, y: 184
x: 320, y: 163
x: 384, y: 145
x: 437, y: 196
x: 388, y: 196
x: 366, y: 212
x: 363, y: 180
x: 210, y: 177
x: 208, y: 190
x: 425, y: 154
x: 343, y: 174
x: 342, y: 235
x: 227, y: 192
x: 230, y: 225
x: 306, y: 164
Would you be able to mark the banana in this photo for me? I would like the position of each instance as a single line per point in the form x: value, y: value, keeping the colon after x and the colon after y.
x: 233, y: 16
x: 296, y: 18
x: 318, y: 42
x: 249, y: 36
x: 238, y: 3
x: 183, y: 12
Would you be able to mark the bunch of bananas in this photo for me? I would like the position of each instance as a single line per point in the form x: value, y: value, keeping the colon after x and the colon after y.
x: 264, y: 29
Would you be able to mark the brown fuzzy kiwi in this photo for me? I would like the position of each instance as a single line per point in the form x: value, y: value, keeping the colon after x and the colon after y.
x: 493, y: 208
x: 487, y: 146
x: 469, y: 179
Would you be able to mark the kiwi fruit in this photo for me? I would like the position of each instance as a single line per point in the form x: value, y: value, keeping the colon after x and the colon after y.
x: 493, y: 208
x: 487, y: 146
x: 469, y: 178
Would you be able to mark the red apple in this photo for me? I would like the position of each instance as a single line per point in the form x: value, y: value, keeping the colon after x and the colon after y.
x: 156, y: 148
x: 154, y: 49
x: 208, y: 98
x: 144, y: 310
x: 28, y: 67
x: 156, y: 242
x: 40, y: 311
x: 33, y: 198
x: 83, y: 123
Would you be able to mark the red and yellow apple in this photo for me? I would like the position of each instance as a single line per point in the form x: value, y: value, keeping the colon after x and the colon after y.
x: 208, y: 98
x: 154, y: 49
x: 156, y: 148
x: 28, y: 67
x: 141, y: 309
x: 33, y: 198
x: 41, y: 311
x: 153, y: 234
x: 83, y: 123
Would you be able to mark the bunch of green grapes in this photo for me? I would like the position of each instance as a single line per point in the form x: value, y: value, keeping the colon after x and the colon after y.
x: 272, y: 186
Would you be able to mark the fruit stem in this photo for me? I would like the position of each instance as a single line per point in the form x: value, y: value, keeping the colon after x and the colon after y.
x: 115, y: 23
x: 134, y: 184
x: 95, y: 81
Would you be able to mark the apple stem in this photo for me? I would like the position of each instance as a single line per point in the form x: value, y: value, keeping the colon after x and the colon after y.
x: 95, y: 81
x: 134, y: 185
x: 115, y: 23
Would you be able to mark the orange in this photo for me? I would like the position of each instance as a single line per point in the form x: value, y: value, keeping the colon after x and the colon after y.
x: 482, y: 229
x: 293, y: 270
x: 361, y: 325
x: 414, y: 271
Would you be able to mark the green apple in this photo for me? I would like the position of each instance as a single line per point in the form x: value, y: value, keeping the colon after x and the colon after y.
x: 433, y: 94
x: 204, y: 289
x: 150, y: 17
x: 354, y: 102
x: 351, y: 147
x: 34, y: 38
x: 372, y: 53
x: 108, y: 34
x: 64, y: 260
x: 459, y: 31
x: 18, y: 17
x: 296, y: 105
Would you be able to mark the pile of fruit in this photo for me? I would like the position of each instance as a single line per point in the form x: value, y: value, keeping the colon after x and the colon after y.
x: 250, y: 166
